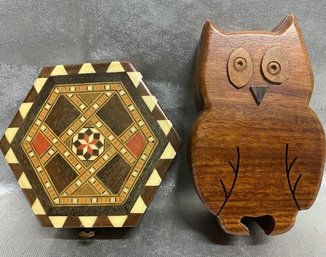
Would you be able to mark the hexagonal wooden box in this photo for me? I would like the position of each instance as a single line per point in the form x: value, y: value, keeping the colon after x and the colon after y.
x: 89, y: 146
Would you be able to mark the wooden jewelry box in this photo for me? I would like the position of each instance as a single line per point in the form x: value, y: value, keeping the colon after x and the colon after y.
x: 89, y: 146
x: 257, y: 148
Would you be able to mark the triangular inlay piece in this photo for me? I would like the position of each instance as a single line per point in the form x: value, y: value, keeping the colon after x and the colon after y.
x: 89, y: 98
x: 58, y: 221
x: 165, y: 125
x: 86, y: 190
x: 86, y: 69
x: 169, y: 152
x: 24, y: 109
x: 23, y: 182
x: 155, y: 179
x: 38, y: 208
x: 11, y: 133
x: 11, y: 157
x: 258, y: 92
x: 39, y: 83
x: 59, y: 70
x: 151, y: 101
x: 135, y: 77
x: 139, y: 207
x: 115, y: 67
x: 117, y: 221
x: 87, y: 221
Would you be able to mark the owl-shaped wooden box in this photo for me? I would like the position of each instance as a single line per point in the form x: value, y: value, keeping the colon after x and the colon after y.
x: 257, y: 148
x: 90, y: 145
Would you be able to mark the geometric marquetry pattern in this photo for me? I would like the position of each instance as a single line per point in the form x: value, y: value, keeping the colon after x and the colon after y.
x: 90, y: 145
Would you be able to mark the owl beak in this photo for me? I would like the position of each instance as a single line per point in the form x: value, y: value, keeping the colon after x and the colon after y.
x: 258, y: 93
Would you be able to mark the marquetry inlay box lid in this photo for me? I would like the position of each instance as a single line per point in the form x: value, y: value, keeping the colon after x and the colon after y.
x: 90, y: 145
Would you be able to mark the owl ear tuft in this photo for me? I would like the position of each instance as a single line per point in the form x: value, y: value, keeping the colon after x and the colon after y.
x: 212, y: 27
x: 288, y: 23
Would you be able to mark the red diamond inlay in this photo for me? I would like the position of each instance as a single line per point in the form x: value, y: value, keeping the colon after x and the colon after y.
x: 40, y: 143
x: 136, y: 144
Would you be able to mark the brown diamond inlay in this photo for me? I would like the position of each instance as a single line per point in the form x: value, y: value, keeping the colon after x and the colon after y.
x: 114, y: 174
x: 115, y: 115
x: 60, y: 172
x: 62, y: 114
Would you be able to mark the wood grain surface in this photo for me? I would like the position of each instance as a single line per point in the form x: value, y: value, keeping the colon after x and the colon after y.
x: 257, y: 148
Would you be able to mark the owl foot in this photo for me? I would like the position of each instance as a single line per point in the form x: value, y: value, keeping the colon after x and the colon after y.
x: 233, y: 226
x: 283, y: 222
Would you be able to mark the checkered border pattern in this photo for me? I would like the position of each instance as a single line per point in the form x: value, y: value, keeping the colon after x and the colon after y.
x: 154, y: 180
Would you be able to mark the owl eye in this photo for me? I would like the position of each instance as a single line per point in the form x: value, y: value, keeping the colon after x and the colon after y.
x: 239, y: 67
x: 275, y: 65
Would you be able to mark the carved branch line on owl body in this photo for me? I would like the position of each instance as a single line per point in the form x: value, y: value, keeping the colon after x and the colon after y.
x: 288, y: 170
x: 236, y: 171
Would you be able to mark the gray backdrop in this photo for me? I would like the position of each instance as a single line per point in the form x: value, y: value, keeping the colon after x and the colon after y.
x: 160, y: 38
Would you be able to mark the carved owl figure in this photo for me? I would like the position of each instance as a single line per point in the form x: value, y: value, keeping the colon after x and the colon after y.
x: 257, y: 149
